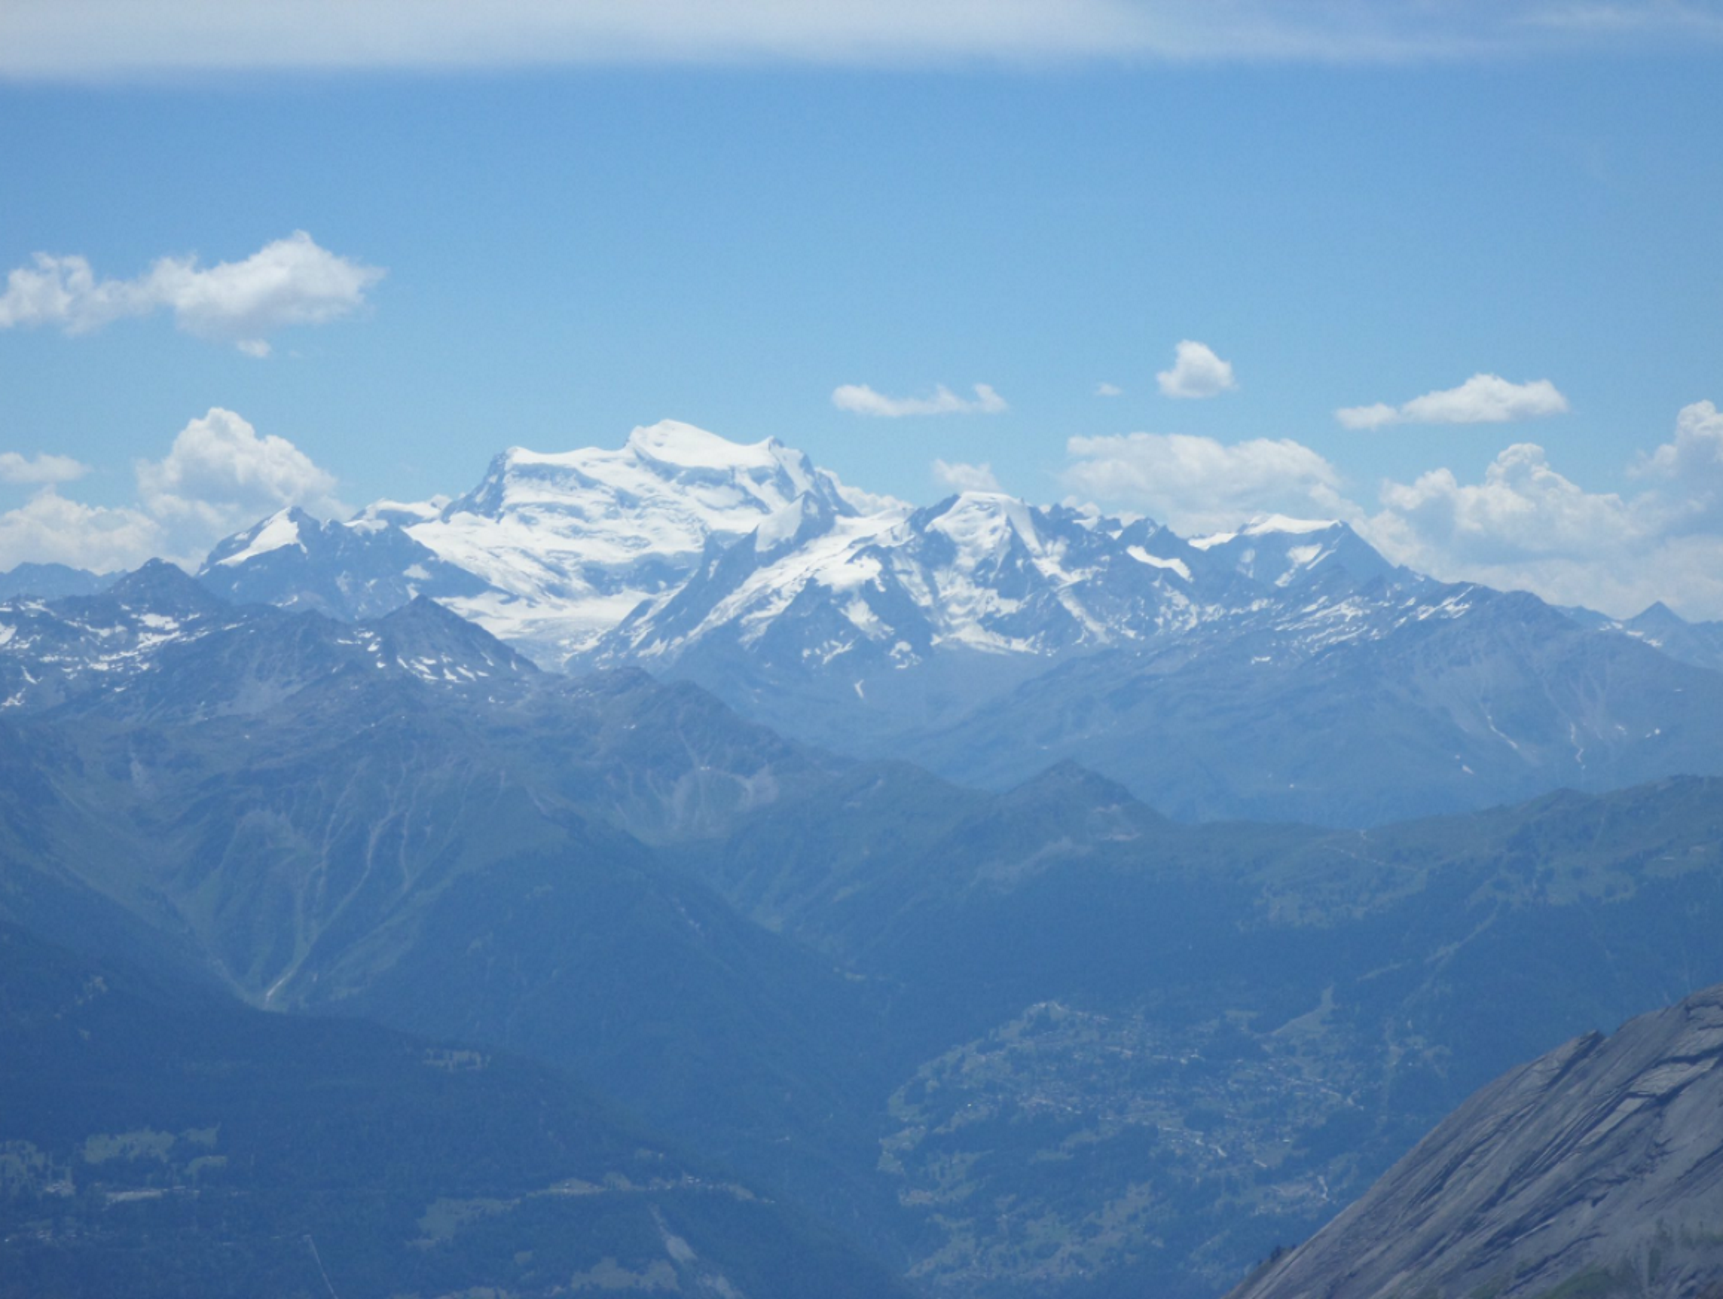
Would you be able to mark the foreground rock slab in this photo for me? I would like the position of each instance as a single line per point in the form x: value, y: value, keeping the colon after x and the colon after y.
x: 1595, y: 1170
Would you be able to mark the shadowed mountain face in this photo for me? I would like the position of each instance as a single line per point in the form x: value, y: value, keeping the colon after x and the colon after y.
x: 1039, y: 1042
x: 159, y: 1139
x: 1196, y: 1038
x: 1494, y: 698
x: 1596, y: 1170
x: 1699, y: 643
x: 405, y: 819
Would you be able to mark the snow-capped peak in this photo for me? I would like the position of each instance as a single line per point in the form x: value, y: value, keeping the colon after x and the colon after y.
x: 680, y: 538
x: 1279, y: 551
x: 570, y: 542
x: 707, y: 483
x: 1267, y: 523
x: 278, y: 531
x: 983, y: 526
x: 672, y: 442
x: 808, y: 516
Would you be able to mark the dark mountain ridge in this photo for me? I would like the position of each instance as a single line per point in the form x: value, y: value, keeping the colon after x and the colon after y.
x: 161, y: 1139
x: 1038, y: 1042
x: 50, y: 581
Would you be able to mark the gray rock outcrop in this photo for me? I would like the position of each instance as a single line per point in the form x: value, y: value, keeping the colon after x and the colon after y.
x: 1596, y: 1170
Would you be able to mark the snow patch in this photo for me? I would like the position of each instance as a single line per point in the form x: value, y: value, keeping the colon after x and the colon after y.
x: 274, y: 533
x: 1155, y: 561
x: 1284, y: 523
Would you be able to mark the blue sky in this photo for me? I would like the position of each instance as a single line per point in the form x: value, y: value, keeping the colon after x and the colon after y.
x: 726, y: 224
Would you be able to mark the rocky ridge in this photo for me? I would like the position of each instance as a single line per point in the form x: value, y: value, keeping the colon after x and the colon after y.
x: 1596, y: 1169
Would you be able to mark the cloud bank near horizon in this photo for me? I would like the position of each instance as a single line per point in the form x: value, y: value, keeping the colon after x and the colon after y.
x: 94, y: 39
x: 1198, y: 485
x: 218, y: 477
x: 1524, y: 525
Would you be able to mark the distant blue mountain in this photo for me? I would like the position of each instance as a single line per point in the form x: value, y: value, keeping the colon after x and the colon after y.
x: 50, y: 582
x: 1039, y: 1042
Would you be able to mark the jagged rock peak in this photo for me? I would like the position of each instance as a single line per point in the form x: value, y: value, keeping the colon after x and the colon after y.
x: 1068, y: 776
x: 160, y: 587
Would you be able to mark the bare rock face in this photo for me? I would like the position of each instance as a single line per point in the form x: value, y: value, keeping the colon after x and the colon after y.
x: 1594, y: 1171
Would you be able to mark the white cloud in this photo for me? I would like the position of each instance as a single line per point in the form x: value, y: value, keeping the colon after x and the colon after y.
x: 1524, y: 525
x: 1196, y: 372
x: 863, y: 400
x: 218, y: 476
x: 94, y: 38
x: 292, y: 281
x: 1196, y: 484
x: 1687, y: 473
x: 1108, y: 390
x: 51, y: 529
x: 966, y: 478
x: 1528, y: 526
x: 1482, y: 399
x: 39, y: 469
x: 1522, y: 509
x: 1686, y: 573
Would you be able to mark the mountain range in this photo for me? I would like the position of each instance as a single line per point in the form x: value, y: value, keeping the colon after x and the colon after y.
x: 1285, y: 670
x: 1040, y: 1040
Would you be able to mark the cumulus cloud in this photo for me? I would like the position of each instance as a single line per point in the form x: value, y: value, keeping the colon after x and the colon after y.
x: 966, y: 478
x: 1482, y: 399
x: 39, y: 469
x: 1527, y: 525
x: 1197, y: 484
x: 292, y: 281
x: 49, y: 528
x: 218, y: 476
x: 86, y: 38
x: 863, y: 400
x: 1523, y: 524
x: 1197, y: 372
x: 1109, y: 390
x: 1522, y: 508
x: 1686, y: 474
